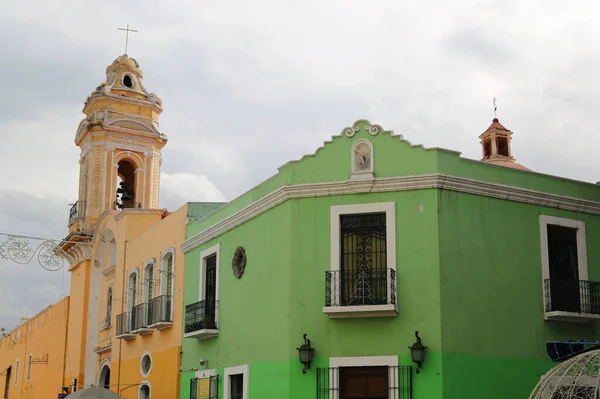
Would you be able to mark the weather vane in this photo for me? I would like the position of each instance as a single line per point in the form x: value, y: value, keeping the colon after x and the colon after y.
x: 127, y: 35
x: 495, y: 107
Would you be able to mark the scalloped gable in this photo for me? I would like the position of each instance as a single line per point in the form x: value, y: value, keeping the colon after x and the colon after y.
x: 360, y: 127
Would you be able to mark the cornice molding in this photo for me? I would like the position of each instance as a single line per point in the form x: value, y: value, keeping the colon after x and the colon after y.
x: 400, y: 183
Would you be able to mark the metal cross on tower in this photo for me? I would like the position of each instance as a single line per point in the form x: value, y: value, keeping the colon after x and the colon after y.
x: 127, y: 35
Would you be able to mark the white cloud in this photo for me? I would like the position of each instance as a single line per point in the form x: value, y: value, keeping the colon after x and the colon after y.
x: 179, y: 188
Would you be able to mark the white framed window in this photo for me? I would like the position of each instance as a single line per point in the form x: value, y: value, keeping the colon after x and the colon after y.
x: 236, y: 379
x: 358, y: 288
x: 565, y: 270
x: 132, y: 289
x: 145, y: 390
x: 205, y: 384
x: 340, y: 363
x: 202, y: 317
x: 146, y: 364
x: 17, y: 371
x: 109, y: 300
x: 148, y: 281
x: 29, y: 359
x: 167, y: 277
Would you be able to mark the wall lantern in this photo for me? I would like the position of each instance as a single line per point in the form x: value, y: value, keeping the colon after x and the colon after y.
x: 306, y: 354
x: 417, y: 351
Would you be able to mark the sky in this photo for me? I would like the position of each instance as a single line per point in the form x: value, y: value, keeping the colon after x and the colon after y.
x: 249, y: 85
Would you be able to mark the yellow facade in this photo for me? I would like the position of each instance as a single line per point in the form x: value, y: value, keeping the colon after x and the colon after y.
x: 32, y: 356
x: 121, y: 327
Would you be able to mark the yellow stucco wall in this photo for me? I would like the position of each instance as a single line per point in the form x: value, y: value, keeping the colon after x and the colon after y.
x: 43, y: 334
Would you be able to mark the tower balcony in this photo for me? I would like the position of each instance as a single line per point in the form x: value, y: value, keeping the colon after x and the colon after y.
x: 76, y: 212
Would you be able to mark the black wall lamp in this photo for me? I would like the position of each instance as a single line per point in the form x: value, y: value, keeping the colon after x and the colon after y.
x: 306, y: 353
x: 417, y: 351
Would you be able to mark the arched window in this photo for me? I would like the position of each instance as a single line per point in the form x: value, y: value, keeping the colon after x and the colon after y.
x: 144, y: 391
x: 132, y: 289
x: 109, y: 298
x: 167, y: 278
x: 148, y: 282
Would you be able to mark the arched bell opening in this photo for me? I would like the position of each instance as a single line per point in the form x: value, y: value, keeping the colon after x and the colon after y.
x: 125, y: 193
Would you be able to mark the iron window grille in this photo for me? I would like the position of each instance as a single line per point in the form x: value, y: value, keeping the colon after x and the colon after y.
x: 213, y: 387
x: 363, y: 278
x: 141, y: 316
x: 399, y: 383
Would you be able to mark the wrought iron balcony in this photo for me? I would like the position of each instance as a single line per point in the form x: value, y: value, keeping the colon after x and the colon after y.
x: 77, y: 211
x: 160, y: 312
x: 360, y: 293
x: 572, y: 300
x: 201, y: 319
x: 125, y: 325
x: 141, y: 318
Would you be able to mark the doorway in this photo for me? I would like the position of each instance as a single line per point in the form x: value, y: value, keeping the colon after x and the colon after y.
x: 364, y: 382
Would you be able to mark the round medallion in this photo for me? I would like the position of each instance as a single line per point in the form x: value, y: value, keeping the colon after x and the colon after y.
x: 238, y: 264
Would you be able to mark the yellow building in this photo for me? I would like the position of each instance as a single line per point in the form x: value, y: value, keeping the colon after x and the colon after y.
x: 122, y: 325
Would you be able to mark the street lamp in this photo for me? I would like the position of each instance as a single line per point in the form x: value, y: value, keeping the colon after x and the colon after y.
x: 305, y: 352
x: 417, y: 351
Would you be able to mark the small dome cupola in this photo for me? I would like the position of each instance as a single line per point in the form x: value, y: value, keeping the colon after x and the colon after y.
x: 496, y: 146
x: 124, y: 77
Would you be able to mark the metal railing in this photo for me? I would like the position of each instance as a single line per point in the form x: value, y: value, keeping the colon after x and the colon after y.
x: 201, y: 315
x: 77, y: 211
x: 125, y: 323
x: 577, y: 296
x: 140, y: 316
x: 360, y: 287
x: 159, y: 309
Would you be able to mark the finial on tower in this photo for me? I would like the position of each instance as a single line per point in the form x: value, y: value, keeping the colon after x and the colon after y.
x: 127, y: 30
x: 495, y: 109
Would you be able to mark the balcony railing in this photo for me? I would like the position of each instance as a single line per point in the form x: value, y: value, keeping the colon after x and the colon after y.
x: 159, y: 311
x: 118, y: 205
x: 141, y: 319
x: 125, y: 325
x: 360, y: 291
x: 201, y: 319
x: 578, y: 296
x: 77, y: 211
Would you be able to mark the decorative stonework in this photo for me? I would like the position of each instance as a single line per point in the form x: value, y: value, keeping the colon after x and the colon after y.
x: 238, y: 264
x: 362, y: 159
x: 97, y: 182
x: 372, y: 129
x: 155, y: 181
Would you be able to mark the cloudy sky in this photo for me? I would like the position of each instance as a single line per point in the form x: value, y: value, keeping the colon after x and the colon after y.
x: 248, y: 85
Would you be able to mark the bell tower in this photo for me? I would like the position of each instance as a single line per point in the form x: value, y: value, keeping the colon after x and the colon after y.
x: 496, y: 146
x: 120, y: 146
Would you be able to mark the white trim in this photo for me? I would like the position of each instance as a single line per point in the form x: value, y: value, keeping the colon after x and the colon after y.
x: 164, y: 277
x: 582, y: 265
x: 389, y: 208
x: 145, y: 375
x: 215, y: 249
x: 229, y: 371
x: 17, y: 367
x: 145, y: 382
x: 391, y: 184
x: 205, y: 373
x: 364, y: 361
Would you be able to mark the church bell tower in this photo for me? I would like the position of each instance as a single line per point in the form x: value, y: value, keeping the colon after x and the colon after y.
x: 120, y: 146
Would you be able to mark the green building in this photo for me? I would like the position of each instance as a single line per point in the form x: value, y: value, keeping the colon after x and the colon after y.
x: 371, y: 239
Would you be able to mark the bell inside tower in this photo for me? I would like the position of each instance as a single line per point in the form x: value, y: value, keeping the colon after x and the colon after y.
x: 125, y: 193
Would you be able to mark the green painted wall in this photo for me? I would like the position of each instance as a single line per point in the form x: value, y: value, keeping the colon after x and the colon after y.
x: 493, y: 327
x: 468, y: 278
